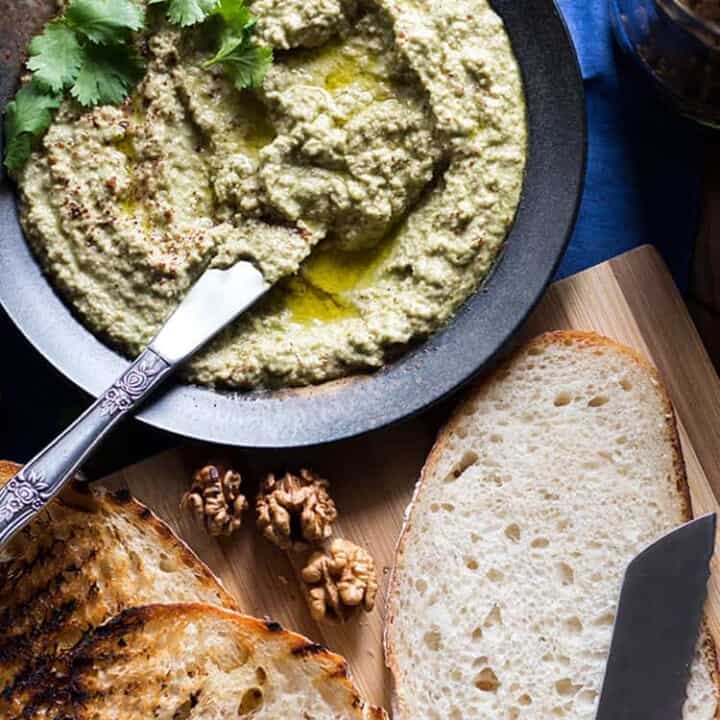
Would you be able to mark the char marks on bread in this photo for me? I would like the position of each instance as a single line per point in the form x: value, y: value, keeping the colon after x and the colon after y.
x: 88, y: 556
x: 86, y: 638
x: 200, y: 662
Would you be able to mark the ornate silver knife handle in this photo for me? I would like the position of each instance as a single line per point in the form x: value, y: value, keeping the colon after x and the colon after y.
x: 213, y: 302
x: 46, y: 474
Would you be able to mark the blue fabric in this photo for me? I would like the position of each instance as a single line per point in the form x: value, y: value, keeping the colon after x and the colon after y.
x: 644, y: 161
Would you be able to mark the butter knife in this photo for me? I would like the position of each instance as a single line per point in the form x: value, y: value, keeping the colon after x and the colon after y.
x: 657, y: 626
x: 214, y: 301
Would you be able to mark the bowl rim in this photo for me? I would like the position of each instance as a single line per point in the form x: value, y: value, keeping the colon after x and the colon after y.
x: 430, y: 370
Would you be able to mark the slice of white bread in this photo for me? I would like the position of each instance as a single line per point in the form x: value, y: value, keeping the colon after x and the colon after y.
x: 200, y: 662
x: 88, y: 556
x: 548, y: 480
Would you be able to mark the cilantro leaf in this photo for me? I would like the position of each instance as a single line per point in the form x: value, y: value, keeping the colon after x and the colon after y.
x: 30, y: 111
x: 55, y: 56
x: 105, y: 22
x: 17, y: 151
x: 27, y: 117
x: 230, y: 41
x: 247, y: 64
x: 188, y: 12
x: 236, y: 30
x: 244, y: 62
x: 236, y: 14
x: 89, y: 50
x: 107, y: 76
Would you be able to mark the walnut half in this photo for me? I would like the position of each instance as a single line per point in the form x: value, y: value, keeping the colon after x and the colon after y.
x: 340, y: 581
x: 295, y: 511
x: 216, y: 500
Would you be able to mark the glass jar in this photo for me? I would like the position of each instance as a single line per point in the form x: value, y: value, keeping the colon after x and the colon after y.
x: 677, y: 43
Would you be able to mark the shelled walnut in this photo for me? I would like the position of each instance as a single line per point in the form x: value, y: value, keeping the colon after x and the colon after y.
x: 295, y: 511
x: 340, y: 581
x: 216, y: 500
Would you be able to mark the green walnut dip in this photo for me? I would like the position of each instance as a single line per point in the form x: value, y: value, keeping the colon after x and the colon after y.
x: 375, y: 176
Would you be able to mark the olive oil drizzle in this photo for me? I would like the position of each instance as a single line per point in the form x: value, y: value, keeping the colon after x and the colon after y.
x: 323, y: 290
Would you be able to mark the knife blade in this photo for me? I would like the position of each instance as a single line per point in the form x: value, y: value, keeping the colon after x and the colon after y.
x: 215, y: 300
x: 657, y: 626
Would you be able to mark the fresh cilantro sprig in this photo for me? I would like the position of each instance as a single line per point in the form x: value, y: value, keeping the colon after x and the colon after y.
x: 86, y: 52
x: 89, y: 52
x: 27, y: 118
x: 245, y: 62
x: 188, y: 12
x: 107, y: 76
x: 105, y: 22
x: 56, y: 56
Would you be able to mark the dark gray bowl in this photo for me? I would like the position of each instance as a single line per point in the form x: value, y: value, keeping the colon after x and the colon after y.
x: 426, y: 373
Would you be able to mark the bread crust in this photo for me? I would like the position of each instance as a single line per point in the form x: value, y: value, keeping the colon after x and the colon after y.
x: 7, y: 470
x: 334, y: 669
x: 65, y: 593
x: 576, y: 338
x: 122, y: 501
x: 56, y: 686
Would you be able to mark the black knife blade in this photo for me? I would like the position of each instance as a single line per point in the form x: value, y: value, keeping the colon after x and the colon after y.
x: 657, y: 626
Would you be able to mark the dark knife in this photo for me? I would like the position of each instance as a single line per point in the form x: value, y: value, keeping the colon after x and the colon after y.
x: 657, y: 626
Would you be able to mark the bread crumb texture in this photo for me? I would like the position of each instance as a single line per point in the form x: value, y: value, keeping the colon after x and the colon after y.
x: 197, y: 662
x: 74, y: 567
x: 547, y: 482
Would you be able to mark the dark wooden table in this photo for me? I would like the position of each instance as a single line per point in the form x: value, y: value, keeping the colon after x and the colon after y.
x: 704, y: 300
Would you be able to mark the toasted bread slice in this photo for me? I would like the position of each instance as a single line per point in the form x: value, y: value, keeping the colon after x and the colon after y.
x: 90, y: 555
x: 199, y: 662
x: 552, y: 475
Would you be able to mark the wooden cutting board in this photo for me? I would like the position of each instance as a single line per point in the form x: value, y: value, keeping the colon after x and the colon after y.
x: 632, y: 299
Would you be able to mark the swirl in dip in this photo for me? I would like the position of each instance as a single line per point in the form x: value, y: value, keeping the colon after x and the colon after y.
x: 375, y: 176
